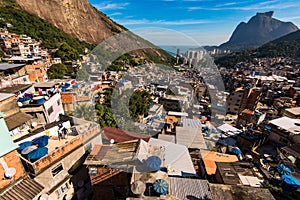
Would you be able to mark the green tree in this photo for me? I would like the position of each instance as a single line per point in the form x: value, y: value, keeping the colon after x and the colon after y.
x: 85, y: 111
x: 139, y: 104
x: 66, y: 52
x: 57, y: 71
x: 105, y: 116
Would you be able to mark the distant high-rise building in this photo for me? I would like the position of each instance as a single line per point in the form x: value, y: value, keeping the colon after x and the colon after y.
x: 178, y: 52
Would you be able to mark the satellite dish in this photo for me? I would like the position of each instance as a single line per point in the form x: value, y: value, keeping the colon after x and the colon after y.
x: 138, y: 187
x: 10, y: 172
x: 34, y: 124
x: 112, y: 141
x: 20, y: 104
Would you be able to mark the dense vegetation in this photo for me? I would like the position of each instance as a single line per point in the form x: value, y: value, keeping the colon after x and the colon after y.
x: 123, y: 61
x: 85, y: 111
x: 58, y: 71
x: 104, y: 112
x: 139, y: 104
x: 35, y: 27
x: 231, y: 60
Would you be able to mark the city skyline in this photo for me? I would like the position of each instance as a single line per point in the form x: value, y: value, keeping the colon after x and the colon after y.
x: 198, y: 22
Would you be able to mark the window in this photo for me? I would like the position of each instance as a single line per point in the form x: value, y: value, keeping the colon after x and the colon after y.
x: 58, y: 102
x: 62, y: 189
x: 50, y: 111
x: 56, y: 170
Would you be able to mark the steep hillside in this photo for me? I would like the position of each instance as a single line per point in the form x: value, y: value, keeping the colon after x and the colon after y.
x: 25, y: 23
x: 259, y: 30
x: 286, y: 46
x: 81, y: 20
x: 75, y: 17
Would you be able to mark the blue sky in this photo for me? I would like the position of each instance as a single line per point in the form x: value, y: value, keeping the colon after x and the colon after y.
x: 188, y: 22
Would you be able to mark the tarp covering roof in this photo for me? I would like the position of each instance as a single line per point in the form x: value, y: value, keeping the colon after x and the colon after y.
x: 291, y: 181
x: 23, y: 145
x: 37, y: 154
x: 285, y: 169
x: 41, y: 141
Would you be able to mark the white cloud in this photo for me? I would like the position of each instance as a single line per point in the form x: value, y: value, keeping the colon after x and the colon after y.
x: 266, y: 5
x: 192, y: 8
x: 163, y: 22
x: 290, y: 18
x: 115, y: 14
x: 111, y: 6
x: 226, y: 4
x: 162, y: 36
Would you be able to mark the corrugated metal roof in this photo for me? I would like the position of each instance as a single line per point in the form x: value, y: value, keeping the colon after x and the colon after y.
x: 25, y: 189
x: 191, y: 123
x: 230, y: 130
x: 294, y: 111
x: 16, y: 120
x: 115, y: 156
x: 185, y: 189
x: 168, y: 138
x: 190, y: 137
x: 45, y: 84
x: 225, y: 192
x: 286, y: 123
x: 15, y: 88
x: 180, y: 114
x: 4, y: 96
x: 118, y: 135
x: 6, y: 66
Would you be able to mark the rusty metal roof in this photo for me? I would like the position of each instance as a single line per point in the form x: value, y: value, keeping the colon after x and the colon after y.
x: 25, y: 189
